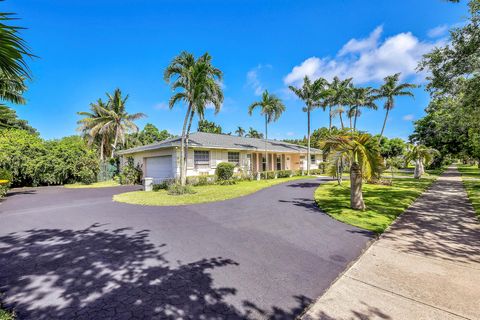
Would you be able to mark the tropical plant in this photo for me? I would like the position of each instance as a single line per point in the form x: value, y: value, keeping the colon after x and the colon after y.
x: 196, y: 83
x: 272, y: 108
x: 389, y: 91
x: 209, y: 127
x: 361, y: 150
x: 240, y: 131
x: 360, y: 97
x: 313, y: 95
x: 340, y: 91
x: 253, y: 133
x: 108, y: 123
x: 9, y: 119
x: 422, y: 156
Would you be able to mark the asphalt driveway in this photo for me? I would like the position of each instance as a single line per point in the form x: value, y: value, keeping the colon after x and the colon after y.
x: 75, y: 254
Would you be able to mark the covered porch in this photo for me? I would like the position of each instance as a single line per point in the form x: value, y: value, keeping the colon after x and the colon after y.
x: 277, y: 161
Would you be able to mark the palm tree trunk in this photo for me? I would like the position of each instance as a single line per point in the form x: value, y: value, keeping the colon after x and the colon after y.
x: 417, y: 173
x: 183, y: 179
x: 114, y: 143
x: 356, y: 196
x: 355, y: 120
x: 101, y: 149
x: 266, y: 137
x: 341, y: 121
x: 330, y: 118
x: 384, y: 123
x: 187, y: 136
x: 308, y: 141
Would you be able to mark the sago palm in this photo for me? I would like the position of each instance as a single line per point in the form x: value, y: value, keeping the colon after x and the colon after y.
x: 421, y: 155
x: 313, y: 95
x: 196, y: 82
x: 272, y: 108
x: 361, y: 151
x: 389, y: 91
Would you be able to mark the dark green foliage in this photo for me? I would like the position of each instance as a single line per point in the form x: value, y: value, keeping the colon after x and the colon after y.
x: 224, y: 171
x: 267, y: 175
x: 208, y: 126
x: 176, y: 189
x: 163, y: 185
x: 148, y: 135
x: 10, y: 120
x: 131, y: 173
x: 33, y: 161
x: 284, y: 173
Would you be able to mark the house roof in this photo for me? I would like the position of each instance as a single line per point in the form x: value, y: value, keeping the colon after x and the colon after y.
x: 223, y: 141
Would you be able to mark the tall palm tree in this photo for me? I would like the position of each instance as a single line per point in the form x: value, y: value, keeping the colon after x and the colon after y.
x: 389, y: 91
x: 361, y: 97
x: 240, y: 131
x: 339, y: 95
x: 109, y: 122
x: 196, y: 83
x: 421, y: 155
x: 272, y: 108
x: 313, y: 95
x: 362, y: 152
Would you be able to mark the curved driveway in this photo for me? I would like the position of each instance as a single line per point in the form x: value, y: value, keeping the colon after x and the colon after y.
x: 75, y: 254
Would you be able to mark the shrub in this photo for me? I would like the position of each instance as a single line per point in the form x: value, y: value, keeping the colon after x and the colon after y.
x: 298, y: 172
x: 162, y: 185
x: 267, y: 175
x: 5, y: 181
x: 131, y: 173
x: 316, y: 171
x: 224, y: 171
x: 177, y: 189
x: 284, y: 173
x: 201, y: 180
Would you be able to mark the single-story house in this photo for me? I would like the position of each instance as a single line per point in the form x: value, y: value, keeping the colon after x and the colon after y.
x: 161, y: 160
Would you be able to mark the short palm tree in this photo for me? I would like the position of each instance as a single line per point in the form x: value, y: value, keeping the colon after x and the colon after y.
x: 421, y: 155
x: 361, y: 150
x: 272, y: 108
x: 196, y: 83
x: 240, y: 131
x: 389, y: 91
x: 313, y: 95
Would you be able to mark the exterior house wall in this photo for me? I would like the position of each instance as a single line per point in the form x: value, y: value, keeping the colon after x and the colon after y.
x: 140, y: 158
x: 216, y: 156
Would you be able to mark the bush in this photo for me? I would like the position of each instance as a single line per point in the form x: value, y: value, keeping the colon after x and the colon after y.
x: 201, y: 180
x: 284, y: 173
x: 299, y: 172
x: 162, y: 185
x: 176, y: 189
x: 5, y: 181
x: 224, y: 171
x: 131, y: 173
x: 267, y: 175
x: 316, y: 171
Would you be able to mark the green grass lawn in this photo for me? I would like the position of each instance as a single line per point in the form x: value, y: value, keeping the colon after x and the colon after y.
x: 103, y: 184
x: 5, y: 315
x: 469, y: 174
x: 384, y: 203
x: 209, y: 193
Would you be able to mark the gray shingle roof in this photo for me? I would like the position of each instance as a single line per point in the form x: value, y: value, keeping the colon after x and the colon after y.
x: 223, y: 141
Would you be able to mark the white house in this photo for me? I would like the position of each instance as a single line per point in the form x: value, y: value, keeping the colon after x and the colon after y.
x: 160, y: 161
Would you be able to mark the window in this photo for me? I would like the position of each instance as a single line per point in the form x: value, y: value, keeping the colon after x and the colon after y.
x: 234, y: 157
x: 279, y: 163
x: 312, y: 158
x: 201, y: 158
x: 264, y: 163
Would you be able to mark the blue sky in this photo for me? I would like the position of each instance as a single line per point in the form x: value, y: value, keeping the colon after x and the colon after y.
x: 87, y: 48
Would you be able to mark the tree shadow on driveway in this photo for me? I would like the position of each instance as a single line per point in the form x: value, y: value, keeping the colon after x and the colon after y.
x: 97, y: 273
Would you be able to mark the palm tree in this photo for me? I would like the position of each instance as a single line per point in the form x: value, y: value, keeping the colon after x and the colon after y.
x: 339, y: 94
x: 252, y: 133
x: 196, y: 83
x: 362, y: 152
x: 272, y: 108
x: 312, y: 94
x: 109, y: 122
x: 422, y: 155
x: 360, y: 98
x: 240, y: 131
x: 391, y: 89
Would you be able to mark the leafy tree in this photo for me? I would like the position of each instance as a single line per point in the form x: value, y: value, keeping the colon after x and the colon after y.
x: 196, y: 83
x: 253, y: 133
x: 391, y: 148
x: 9, y: 119
x: 391, y: 89
x: 240, y: 131
x: 312, y: 94
x: 362, y: 152
x: 148, y: 135
x: 272, y: 108
x: 209, y: 126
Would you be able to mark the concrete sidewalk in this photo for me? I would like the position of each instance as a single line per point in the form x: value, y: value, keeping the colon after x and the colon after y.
x: 425, y: 266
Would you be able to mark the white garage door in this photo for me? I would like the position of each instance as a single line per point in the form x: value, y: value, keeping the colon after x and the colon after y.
x: 159, y: 168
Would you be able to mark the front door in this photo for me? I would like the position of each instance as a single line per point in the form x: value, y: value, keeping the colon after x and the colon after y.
x: 287, y: 162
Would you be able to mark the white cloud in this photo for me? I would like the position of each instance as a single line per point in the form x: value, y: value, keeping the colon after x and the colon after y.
x: 408, y: 117
x: 366, y: 60
x: 161, y: 106
x: 437, y: 31
x: 253, y: 79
